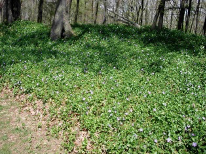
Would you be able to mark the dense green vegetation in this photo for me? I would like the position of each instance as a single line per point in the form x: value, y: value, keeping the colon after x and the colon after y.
x: 133, y: 90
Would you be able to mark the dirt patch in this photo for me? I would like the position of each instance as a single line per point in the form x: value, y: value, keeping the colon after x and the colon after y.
x: 23, y: 129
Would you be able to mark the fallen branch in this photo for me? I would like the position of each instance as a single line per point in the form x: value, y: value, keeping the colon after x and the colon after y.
x: 124, y: 20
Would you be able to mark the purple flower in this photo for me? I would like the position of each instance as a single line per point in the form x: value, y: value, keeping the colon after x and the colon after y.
x: 179, y: 138
x: 155, y: 140
x: 141, y: 130
x: 169, y: 140
x: 194, y: 144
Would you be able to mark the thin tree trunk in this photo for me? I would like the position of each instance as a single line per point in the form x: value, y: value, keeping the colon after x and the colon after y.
x: 61, y: 26
x: 181, y: 15
x: 105, y: 12
x: 160, y: 24
x: 92, y: 10
x: 171, y: 19
x: 96, y: 12
x: 40, y: 11
x: 142, y: 11
x: 77, y: 12
x: 69, y: 7
x: 117, y: 10
x: 192, y: 22
x: 8, y: 18
x: 197, y: 17
x: 16, y: 9
x: 85, y: 9
x: 1, y: 12
x: 160, y: 14
x: 188, y: 16
x: 146, y: 14
x: 138, y: 11
x: 204, y: 27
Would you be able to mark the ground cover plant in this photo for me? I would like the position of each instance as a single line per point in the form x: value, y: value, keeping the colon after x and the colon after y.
x: 132, y: 90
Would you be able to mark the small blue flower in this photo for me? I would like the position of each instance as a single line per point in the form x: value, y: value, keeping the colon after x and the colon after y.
x: 155, y: 140
x: 141, y: 130
x: 194, y: 144
x: 169, y: 140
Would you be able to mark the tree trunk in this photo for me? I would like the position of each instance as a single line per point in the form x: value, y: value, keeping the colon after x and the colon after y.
x: 85, y: 9
x: 181, y: 15
x: 171, y: 19
x: 105, y: 12
x: 61, y: 26
x: 96, y: 12
x: 16, y: 9
x: 160, y: 24
x: 160, y: 14
x: 204, y: 27
x: 40, y: 11
x: 117, y: 10
x: 69, y: 7
x: 188, y: 16
x: 1, y: 11
x: 137, y: 12
x: 197, y: 17
x: 8, y: 18
x: 77, y: 12
x: 142, y: 11
x: 146, y: 13
x: 92, y: 10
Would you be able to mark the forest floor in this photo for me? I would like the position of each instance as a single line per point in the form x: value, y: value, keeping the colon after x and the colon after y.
x: 22, y: 132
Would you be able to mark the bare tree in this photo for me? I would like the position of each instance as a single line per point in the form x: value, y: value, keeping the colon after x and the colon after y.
x: 188, y: 16
x: 40, y: 11
x: 142, y: 11
x: 69, y: 7
x: 1, y: 10
x: 96, y: 11
x: 160, y: 14
x: 117, y: 10
x: 105, y: 12
x: 204, y: 27
x: 197, y: 16
x: 181, y: 15
x: 8, y: 17
x: 61, y: 26
x: 77, y: 12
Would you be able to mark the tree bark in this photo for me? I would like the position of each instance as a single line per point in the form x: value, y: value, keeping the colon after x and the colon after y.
x: 146, y: 13
x: 137, y: 13
x: 96, y: 12
x: 160, y: 14
x: 77, y: 12
x: 69, y: 7
x: 142, y: 11
x: 160, y: 24
x: 1, y: 11
x: 16, y: 9
x: 188, y: 16
x: 8, y: 17
x: 197, y: 17
x: 117, y: 10
x: 61, y: 26
x: 40, y: 11
x: 204, y: 27
x: 181, y: 15
x: 105, y: 12
x: 171, y: 19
